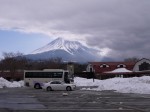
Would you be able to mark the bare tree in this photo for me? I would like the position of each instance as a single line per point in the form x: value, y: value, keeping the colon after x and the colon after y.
x: 133, y: 59
x: 13, y: 62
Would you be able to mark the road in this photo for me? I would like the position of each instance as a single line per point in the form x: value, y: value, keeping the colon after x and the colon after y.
x: 31, y: 100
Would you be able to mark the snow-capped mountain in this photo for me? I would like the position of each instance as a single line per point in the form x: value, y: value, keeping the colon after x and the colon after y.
x: 61, y: 44
x: 67, y: 50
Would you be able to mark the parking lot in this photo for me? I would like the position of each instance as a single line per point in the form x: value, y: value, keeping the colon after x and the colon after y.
x: 30, y: 100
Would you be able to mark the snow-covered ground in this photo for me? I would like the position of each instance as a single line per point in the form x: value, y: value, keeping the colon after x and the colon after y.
x: 124, y: 85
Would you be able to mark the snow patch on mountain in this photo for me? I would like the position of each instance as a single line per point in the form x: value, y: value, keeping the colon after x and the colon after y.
x: 54, y: 45
x: 67, y: 50
x: 61, y: 44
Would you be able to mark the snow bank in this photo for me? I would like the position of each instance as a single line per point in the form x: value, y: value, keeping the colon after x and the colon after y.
x: 124, y: 85
x: 5, y: 83
x: 119, y: 70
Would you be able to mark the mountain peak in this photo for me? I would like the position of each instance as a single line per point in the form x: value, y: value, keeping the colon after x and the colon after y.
x: 67, y: 50
x: 60, y: 43
x: 59, y: 39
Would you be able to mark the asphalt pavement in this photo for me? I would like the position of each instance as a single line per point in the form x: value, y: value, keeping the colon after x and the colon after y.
x: 32, y: 100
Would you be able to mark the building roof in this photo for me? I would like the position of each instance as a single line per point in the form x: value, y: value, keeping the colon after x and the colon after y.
x: 97, y: 66
x: 112, y: 63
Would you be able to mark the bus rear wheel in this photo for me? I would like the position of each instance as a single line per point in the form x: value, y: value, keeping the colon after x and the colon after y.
x: 37, y: 86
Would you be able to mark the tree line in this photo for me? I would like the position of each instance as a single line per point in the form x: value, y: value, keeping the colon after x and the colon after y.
x: 14, y: 62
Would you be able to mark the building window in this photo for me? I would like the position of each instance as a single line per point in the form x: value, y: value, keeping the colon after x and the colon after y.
x: 121, y: 66
x: 144, y: 66
x: 104, y: 66
x: 91, y: 70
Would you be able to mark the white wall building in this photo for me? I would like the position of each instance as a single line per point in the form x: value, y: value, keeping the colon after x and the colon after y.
x: 142, y: 65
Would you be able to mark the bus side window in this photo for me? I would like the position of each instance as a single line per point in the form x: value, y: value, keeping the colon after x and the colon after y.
x: 57, y: 75
x: 28, y: 75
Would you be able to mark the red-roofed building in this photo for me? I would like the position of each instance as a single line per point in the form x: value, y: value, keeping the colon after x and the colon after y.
x: 101, y: 67
x: 103, y: 70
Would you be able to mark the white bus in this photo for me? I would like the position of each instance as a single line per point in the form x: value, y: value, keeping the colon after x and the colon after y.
x: 35, y: 78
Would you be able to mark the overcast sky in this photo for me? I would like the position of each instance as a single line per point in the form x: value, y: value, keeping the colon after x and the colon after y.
x: 119, y: 28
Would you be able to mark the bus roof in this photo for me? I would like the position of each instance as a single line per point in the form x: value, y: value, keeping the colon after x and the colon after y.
x: 53, y: 70
x: 47, y: 70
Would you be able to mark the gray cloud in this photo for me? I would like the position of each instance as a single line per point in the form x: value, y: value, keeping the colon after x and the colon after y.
x: 123, y: 26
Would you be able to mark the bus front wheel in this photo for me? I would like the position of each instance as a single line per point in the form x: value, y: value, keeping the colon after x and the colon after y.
x: 37, y: 86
